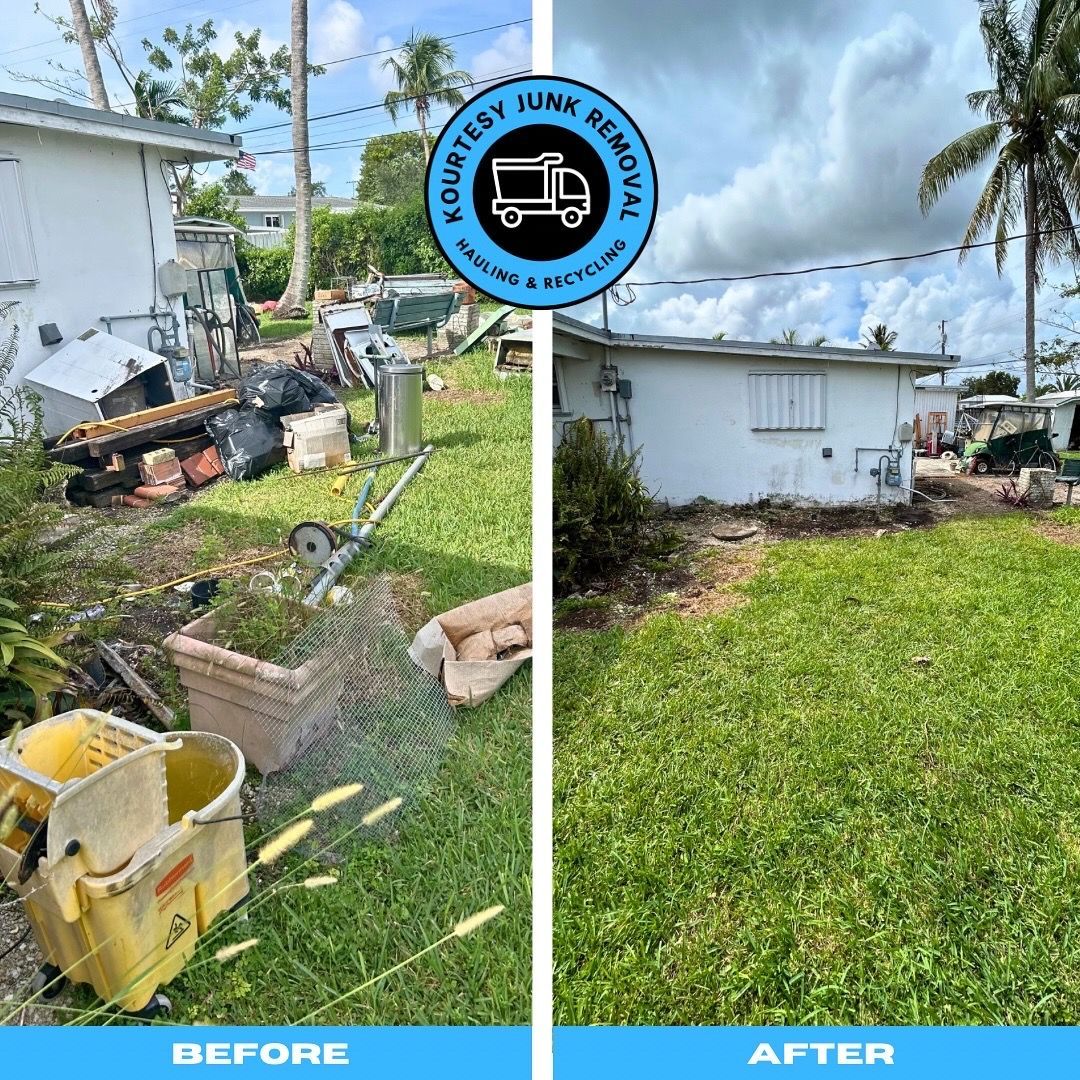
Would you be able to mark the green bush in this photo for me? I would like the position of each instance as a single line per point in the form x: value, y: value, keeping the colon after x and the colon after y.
x: 264, y: 271
x: 28, y: 477
x: 600, y: 506
x: 395, y: 239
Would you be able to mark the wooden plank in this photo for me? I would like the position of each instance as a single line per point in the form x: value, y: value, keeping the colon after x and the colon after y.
x: 130, y: 676
x: 100, y: 479
x: 155, y: 433
x: 95, y: 429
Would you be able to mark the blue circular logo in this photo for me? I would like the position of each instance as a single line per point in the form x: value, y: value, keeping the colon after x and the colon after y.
x: 541, y: 192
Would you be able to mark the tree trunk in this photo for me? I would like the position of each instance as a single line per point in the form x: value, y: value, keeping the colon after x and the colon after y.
x: 88, y: 49
x: 422, y: 121
x: 291, y: 305
x: 1029, y: 281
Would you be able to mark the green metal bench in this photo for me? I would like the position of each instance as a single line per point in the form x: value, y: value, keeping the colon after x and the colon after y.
x: 420, y: 311
x: 1070, y: 476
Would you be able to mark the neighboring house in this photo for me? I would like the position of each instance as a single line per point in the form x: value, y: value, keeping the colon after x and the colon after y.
x: 269, y: 216
x: 86, y: 221
x: 1066, y: 425
x: 739, y: 421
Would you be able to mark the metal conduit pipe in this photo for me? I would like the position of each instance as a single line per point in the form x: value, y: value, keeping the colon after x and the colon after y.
x: 341, y: 558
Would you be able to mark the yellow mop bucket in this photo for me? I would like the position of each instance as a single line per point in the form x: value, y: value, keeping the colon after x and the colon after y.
x: 122, y: 851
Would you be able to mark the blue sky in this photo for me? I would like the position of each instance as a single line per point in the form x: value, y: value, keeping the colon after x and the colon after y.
x: 793, y: 134
x: 338, y: 28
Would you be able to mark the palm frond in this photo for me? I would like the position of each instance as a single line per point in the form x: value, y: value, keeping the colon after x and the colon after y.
x: 961, y: 156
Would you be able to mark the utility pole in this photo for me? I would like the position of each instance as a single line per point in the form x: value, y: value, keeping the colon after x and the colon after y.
x: 944, y: 338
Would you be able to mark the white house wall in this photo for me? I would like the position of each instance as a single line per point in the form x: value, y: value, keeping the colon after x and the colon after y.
x: 690, y: 414
x: 88, y: 217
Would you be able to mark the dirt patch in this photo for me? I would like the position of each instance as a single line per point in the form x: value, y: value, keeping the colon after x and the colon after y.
x: 411, y: 598
x: 283, y: 351
x: 1069, y: 535
x: 697, y: 555
x: 720, y: 574
x: 18, y: 966
x: 684, y: 568
x: 450, y: 396
x: 169, y: 555
x: 587, y: 617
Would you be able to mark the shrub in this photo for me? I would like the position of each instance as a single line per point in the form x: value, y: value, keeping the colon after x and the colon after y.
x: 27, y: 478
x: 29, y: 670
x: 395, y: 239
x: 265, y: 272
x: 600, y: 506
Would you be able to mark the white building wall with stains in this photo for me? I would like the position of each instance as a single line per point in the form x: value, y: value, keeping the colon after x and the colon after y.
x: 691, y: 415
x: 90, y: 227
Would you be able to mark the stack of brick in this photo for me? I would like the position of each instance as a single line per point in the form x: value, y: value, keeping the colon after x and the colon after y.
x: 461, y: 324
x: 1038, y: 486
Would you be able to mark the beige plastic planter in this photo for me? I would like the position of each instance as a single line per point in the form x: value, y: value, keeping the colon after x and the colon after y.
x: 272, y: 713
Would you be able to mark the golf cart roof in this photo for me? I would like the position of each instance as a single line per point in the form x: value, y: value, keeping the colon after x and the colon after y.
x: 1033, y: 406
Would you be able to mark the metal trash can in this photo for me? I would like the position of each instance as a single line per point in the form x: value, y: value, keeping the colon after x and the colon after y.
x: 401, y: 409
x: 116, y: 851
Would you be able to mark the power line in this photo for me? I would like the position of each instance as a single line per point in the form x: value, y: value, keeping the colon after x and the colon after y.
x: 271, y: 136
x: 853, y: 265
x: 358, y: 142
x: 448, y: 37
x: 364, y: 108
x: 119, y: 22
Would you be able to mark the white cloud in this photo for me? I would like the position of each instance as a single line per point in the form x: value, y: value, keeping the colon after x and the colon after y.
x: 846, y: 184
x: 225, y: 42
x: 379, y: 76
x: 511, y: 51
x: 339, y: 30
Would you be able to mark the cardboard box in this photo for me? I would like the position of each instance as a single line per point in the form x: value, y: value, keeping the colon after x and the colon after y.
x: 317, y: 439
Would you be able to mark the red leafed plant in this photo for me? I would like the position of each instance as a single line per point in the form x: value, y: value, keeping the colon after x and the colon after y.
x: 1011, y: 494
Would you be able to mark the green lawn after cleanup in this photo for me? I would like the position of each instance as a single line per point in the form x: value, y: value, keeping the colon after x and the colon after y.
x: 461, y: 530
x: 853, y: 800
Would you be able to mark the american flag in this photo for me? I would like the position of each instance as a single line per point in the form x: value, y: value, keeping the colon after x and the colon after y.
x: 245, y: 160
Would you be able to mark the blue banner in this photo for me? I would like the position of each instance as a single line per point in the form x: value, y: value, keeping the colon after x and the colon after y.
x: 135, y: 1053
x: 897, y: 1053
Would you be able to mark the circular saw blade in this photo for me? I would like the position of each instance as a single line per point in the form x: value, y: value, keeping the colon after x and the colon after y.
x: 313, y: 542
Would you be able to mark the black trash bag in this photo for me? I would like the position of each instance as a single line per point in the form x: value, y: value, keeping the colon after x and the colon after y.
x: 249, y: 441
x: 282, y: 390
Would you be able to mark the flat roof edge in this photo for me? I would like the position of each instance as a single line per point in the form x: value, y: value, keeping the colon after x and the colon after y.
x: 575, y: 327
x: 16, y: 108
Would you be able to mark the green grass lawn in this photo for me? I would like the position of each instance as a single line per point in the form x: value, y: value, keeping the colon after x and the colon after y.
x: 271, y: 329
x: 776, y: 815
x: 461, y: 530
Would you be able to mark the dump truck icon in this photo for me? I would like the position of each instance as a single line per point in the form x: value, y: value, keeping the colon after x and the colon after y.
x: 539, y: 186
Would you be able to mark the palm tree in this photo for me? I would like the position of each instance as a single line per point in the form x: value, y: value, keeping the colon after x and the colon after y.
x: 84, y: 34
x: 424, y: 76
x: 791, y: 336
x: 880, y: 337
x: 719, y: 335
x: 291, y: 304
x: 1033, y: 116
x: 156, y: 99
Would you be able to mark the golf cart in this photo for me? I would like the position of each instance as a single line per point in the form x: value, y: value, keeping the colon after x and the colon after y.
x: 1009, y: 437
